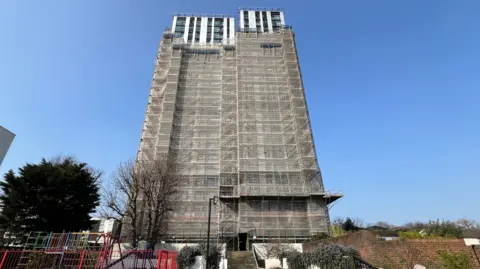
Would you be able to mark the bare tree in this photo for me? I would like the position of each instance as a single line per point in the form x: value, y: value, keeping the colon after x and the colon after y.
x: 159, y: 194
x: 416, y: 225
x: 140, y: 196
x: 467, y: 223
x: 338, y: 221
x: 384, y: 224
x: 358, y: 222
x: 120, y: 199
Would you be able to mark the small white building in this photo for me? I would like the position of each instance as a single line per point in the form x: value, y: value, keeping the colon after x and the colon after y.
x: 103, y: 225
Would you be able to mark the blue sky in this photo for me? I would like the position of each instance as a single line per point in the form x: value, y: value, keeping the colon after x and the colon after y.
x: 393, y: 89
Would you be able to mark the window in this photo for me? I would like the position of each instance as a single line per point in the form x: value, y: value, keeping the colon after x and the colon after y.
x: 228, y: 28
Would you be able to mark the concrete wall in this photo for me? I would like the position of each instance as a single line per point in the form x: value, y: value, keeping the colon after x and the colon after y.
x: 6, y: 138
x: 261, y: 251
x: 200, y: 263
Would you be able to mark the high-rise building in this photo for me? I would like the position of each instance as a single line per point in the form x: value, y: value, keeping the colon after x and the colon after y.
x: 6, y: 138
x: 229, y: 108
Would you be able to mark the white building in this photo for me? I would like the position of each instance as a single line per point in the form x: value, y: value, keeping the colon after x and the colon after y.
x: 6, y: 138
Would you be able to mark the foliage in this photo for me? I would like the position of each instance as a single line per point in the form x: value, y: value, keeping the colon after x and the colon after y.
x: 186, y: 256
x: 444, y: 229
x: 42, y: 194
x: 417, y: 235
x: 295, y: 259
x: 320, y: 236
x: 214, y: 255
x: 275, y: 250
x: 348, y: 225
x: 439, y: 228
x: 384, y: 224
x: 410, y: 235
x: 326, y: 256
x: 432, y: 229
x: 417, y: 226
x: 450, y: 260
x: 337, y: 231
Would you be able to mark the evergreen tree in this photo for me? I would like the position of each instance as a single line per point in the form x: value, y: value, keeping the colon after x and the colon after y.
x: 50, y: 196
x: 348, y: 225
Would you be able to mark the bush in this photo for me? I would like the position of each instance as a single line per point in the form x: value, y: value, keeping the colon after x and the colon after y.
x: 455, y: 260
x: 444, y: 229
x: 434, y: 230
x: 337, y: 231
x: 186, y: 256
x: 295, y: 259
x: 409, y: 235
x: 275, y: 250
x: 320, y: 236
x: 326, y: 256
x: 214, y: 255
x: 349, y: 226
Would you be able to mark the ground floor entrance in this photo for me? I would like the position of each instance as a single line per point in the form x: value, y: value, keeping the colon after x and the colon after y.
x: 242, y: 241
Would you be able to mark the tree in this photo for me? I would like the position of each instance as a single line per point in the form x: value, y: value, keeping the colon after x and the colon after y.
x: 57, y: 195
x: 160, y: 188
x: 417, y: 225
x: 120, y: 201
x: 349, y: 225
x: 443, y: 229
x: 467, y: 224
x: 384, y: 224
x: 143, y: 195
x: 338, y: 221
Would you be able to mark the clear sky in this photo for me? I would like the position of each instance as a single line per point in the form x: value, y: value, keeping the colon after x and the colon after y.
x: 393, y: 89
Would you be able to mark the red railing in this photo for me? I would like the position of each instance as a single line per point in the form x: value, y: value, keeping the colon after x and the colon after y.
x: 87, y: 259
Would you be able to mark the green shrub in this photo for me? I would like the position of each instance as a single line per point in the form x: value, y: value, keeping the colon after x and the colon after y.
x: 433, y: 232
x: 445, y: 229
x: 320, y: 236
x: 409, y: 235
x: 337, y: 231
x: 450, y: 260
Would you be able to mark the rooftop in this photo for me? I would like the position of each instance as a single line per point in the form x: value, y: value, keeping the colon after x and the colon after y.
x: 3, y: 128
x: 203, y: 15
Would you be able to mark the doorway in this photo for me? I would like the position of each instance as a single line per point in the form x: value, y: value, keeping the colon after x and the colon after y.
x: 242, y: 241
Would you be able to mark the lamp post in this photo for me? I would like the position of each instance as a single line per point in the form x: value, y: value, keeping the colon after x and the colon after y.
x: 215, y: 200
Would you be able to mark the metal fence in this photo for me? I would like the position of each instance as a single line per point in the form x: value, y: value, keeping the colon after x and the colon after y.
x: 87, y: 259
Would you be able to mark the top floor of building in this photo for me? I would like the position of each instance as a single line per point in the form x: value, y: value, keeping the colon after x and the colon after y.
x: 261, y: 20
x: 220, y: 29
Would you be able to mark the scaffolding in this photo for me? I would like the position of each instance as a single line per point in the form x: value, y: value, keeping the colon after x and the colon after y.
x: 235, y: 121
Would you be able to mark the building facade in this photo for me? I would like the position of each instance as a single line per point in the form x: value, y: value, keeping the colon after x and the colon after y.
x: 6, y: 138
x: 231, y: 112
x: 204, y: 29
